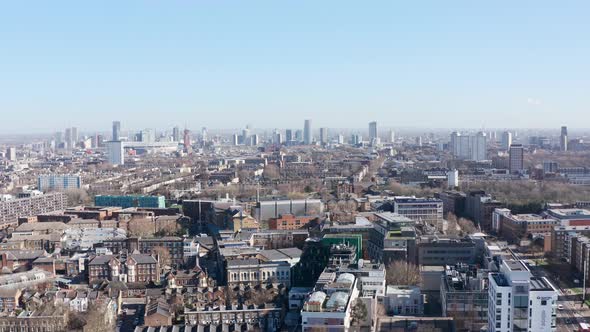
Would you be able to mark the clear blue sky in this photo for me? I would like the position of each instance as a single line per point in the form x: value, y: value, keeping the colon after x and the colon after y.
x: 223, y: 64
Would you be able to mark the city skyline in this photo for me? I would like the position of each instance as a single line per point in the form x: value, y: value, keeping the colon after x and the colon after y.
x: 207, y: 64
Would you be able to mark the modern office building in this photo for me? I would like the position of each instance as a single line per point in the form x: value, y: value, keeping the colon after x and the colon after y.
x: 479, y: 207
x: 506, y: 140
x: 563, y: 139
x: 12, y: 209
x: 265, y: 210
x: 130, y: 201
x: 115, y: 153
x: 446, y: 251
x: 423, y: 210
x: 516, y: 159
x: 58, y: 182
x: 307, y: 134
x: 116, y: 131
x: 517, y: 301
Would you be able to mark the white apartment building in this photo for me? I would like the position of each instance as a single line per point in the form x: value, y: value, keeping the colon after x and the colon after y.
x: 519, y: 302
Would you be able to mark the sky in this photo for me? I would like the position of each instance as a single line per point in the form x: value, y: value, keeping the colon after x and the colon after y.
x: 272, y: 64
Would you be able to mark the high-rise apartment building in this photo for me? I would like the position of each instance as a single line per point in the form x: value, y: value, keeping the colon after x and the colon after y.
x: 391, y: 136
x: 58, y: 182
x: 471, y: 147
x: 563, y: 139
x: 176, y: 134
x: 516, y: 158
x: 372, y: 131
x: 517, y: 301
x: 115, y: 153
x: 74, y: 137
x: 116, y: 131
x: 323, y: 136
x: 307, y: 134
x: 68, y: 139
x: 289, y: 135
x: 11, y: 153
x: 506, y: 140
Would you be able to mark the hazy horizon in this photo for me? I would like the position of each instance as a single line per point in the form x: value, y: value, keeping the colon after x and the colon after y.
x: 273, y: 64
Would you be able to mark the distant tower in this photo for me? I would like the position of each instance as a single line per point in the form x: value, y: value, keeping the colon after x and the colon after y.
x: 506, y: 140
x: 187, y: 140
x: 324, y: 136
x: 391, y: 136
x: 115, y: 153
x: 68, y: 139
x: 372, y: 131
x: 176, y: 134
x: 74, y: 136
x: 288, y: 135
x: 563, y: 139
x: 516, y: 158
x: 204, y: 134
x: 116, y: 130
x: 307, y: 135
x: 453, y: 179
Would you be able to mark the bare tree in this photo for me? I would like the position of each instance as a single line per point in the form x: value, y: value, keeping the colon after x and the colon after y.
x: 140, y: 227
x: 163, y: 255
x: 403, y: 273
x: 359, y: 313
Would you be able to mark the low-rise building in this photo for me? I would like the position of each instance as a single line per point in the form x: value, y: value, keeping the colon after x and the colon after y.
x: 138, y: 268
x: 464, y: 296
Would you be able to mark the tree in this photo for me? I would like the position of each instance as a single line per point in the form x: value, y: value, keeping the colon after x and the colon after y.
x: 140, y: 227
x: 77, y: 197
x: 271, y: 172
x: 96, y: 319
x: 359, y: 312
x: 163, y: 256
x: 402, y: 273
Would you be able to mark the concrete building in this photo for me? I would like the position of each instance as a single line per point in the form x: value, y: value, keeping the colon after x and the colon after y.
x: 446, y: 251
x: 516, y: 159
x: 517, y: 301
x: 479, y: 207
x: 470, y: 147
x: 453, y: 202
x: 115, y: 153
x: 307, y: 133
x: 402, y: 300
x: 11, y: 210
x: 422, y: 210
x: 56, y: 182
